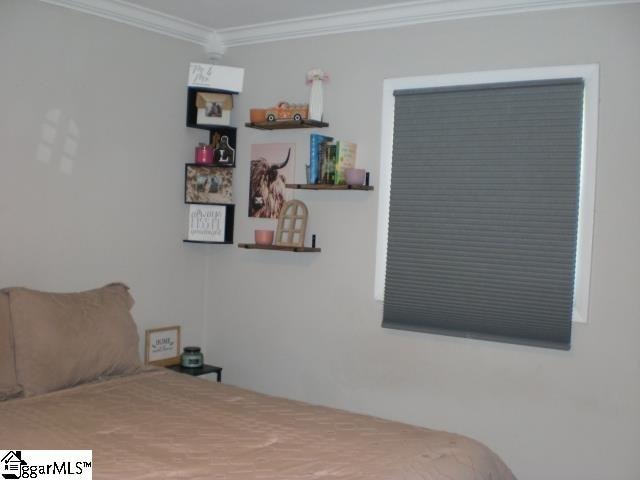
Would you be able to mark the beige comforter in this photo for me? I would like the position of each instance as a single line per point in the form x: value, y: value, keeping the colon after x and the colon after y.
x: 161, y: 424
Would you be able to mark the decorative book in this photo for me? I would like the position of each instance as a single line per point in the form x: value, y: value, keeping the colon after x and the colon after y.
x: 315, y: 144
x: 345, y: 158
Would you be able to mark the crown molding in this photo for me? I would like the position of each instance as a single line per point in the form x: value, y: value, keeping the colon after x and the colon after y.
x: 141, y: 17
x: 391, y: 16
x: 386, y: 16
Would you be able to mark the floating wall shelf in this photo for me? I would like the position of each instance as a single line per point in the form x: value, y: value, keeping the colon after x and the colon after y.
x: 286, y: 124
x: 217, y: 133
x: 212, y: 243
x: 327, y: 186
x: 255, y: 246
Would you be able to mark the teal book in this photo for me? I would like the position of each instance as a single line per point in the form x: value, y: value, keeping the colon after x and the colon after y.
x: 315, y: 144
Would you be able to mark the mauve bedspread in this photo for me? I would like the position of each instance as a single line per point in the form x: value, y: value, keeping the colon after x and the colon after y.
x: 161, y: 424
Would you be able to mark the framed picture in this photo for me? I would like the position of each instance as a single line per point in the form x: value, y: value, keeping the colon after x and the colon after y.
x: 209, y: 108
x: 272, y: 167
x: 213, y: 108
x: 210, y: 223
x: 162, y: 346
x: 205, y: 184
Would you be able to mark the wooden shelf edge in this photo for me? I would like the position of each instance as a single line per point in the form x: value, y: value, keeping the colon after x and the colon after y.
x: 211, y: 127
x: 220, y: 165
x: 326, y: 186
x: 254, y: 246
x: 211, y: 243
x: 286, y: 124
x: 211, y: 90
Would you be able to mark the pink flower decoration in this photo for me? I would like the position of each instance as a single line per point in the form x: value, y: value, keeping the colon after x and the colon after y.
x: 316, y: 74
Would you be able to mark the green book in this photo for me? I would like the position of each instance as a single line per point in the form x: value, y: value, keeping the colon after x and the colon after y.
x: 322, y: 162
x: 345, y: 158
x: 332, y: 160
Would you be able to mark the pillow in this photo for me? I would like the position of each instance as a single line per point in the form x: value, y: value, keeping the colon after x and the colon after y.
x: 64, y: 339
x: 8, y: 385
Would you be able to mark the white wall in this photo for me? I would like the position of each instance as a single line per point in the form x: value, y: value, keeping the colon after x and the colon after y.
x: 306, y: 325
x: 92, y: 151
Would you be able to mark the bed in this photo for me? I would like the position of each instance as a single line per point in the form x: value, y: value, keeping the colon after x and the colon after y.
x: 144, y: 423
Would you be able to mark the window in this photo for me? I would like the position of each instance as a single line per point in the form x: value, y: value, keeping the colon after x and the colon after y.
x: 485, y: 226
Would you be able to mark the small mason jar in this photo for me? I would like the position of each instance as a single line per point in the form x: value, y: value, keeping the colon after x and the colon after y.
x: 191, y: 357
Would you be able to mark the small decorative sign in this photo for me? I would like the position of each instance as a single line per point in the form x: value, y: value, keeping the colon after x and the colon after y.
x: 207, y: 223
x: 216, y: 77
x: 162, y: 346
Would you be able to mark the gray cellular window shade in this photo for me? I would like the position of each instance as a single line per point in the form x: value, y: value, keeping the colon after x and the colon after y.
x: 484, y: 211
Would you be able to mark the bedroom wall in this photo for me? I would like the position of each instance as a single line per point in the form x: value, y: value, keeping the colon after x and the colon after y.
x: 92, y: 152
x: 306, y: 326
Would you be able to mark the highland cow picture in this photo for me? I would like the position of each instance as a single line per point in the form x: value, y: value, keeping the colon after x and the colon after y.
x: 272, y: 166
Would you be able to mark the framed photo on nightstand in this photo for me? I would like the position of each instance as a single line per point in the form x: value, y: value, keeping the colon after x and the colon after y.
x: 162, y: 346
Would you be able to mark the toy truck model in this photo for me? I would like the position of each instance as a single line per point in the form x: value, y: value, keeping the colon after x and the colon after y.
x: 285, y: 111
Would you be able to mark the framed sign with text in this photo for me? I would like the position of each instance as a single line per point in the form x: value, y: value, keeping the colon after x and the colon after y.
x: 210, y: 224
x: 162, y: 346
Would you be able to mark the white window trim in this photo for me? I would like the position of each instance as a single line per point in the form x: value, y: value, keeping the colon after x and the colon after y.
x: 589, y: 73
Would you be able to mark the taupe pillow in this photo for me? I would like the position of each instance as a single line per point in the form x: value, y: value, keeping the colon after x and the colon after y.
x: 64, y: 339
x: 8, y: 385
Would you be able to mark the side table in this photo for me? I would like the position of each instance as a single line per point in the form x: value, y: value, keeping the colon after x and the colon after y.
x: 197, y: 371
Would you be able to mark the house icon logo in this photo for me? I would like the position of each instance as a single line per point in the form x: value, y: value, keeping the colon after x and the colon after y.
x: 11, y: 464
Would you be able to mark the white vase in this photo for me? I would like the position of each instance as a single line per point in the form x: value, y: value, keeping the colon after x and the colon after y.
x: 315, y: 101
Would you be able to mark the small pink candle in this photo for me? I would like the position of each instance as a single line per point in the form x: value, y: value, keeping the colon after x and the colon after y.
x: 204, y: 154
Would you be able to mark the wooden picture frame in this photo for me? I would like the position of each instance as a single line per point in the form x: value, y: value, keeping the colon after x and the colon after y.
x: 162, y: 346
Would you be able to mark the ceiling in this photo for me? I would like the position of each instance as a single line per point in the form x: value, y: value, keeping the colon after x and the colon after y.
x: 221, y: 14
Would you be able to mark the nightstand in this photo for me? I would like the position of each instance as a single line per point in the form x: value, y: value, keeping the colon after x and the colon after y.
x: 203, y: 370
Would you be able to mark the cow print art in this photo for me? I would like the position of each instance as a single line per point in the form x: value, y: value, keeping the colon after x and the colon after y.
x: 272, y: 167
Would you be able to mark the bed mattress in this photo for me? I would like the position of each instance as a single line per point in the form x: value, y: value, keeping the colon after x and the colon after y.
x: 160, y: 424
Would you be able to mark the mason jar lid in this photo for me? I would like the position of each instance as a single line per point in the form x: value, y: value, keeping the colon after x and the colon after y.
x: 192, y: 349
